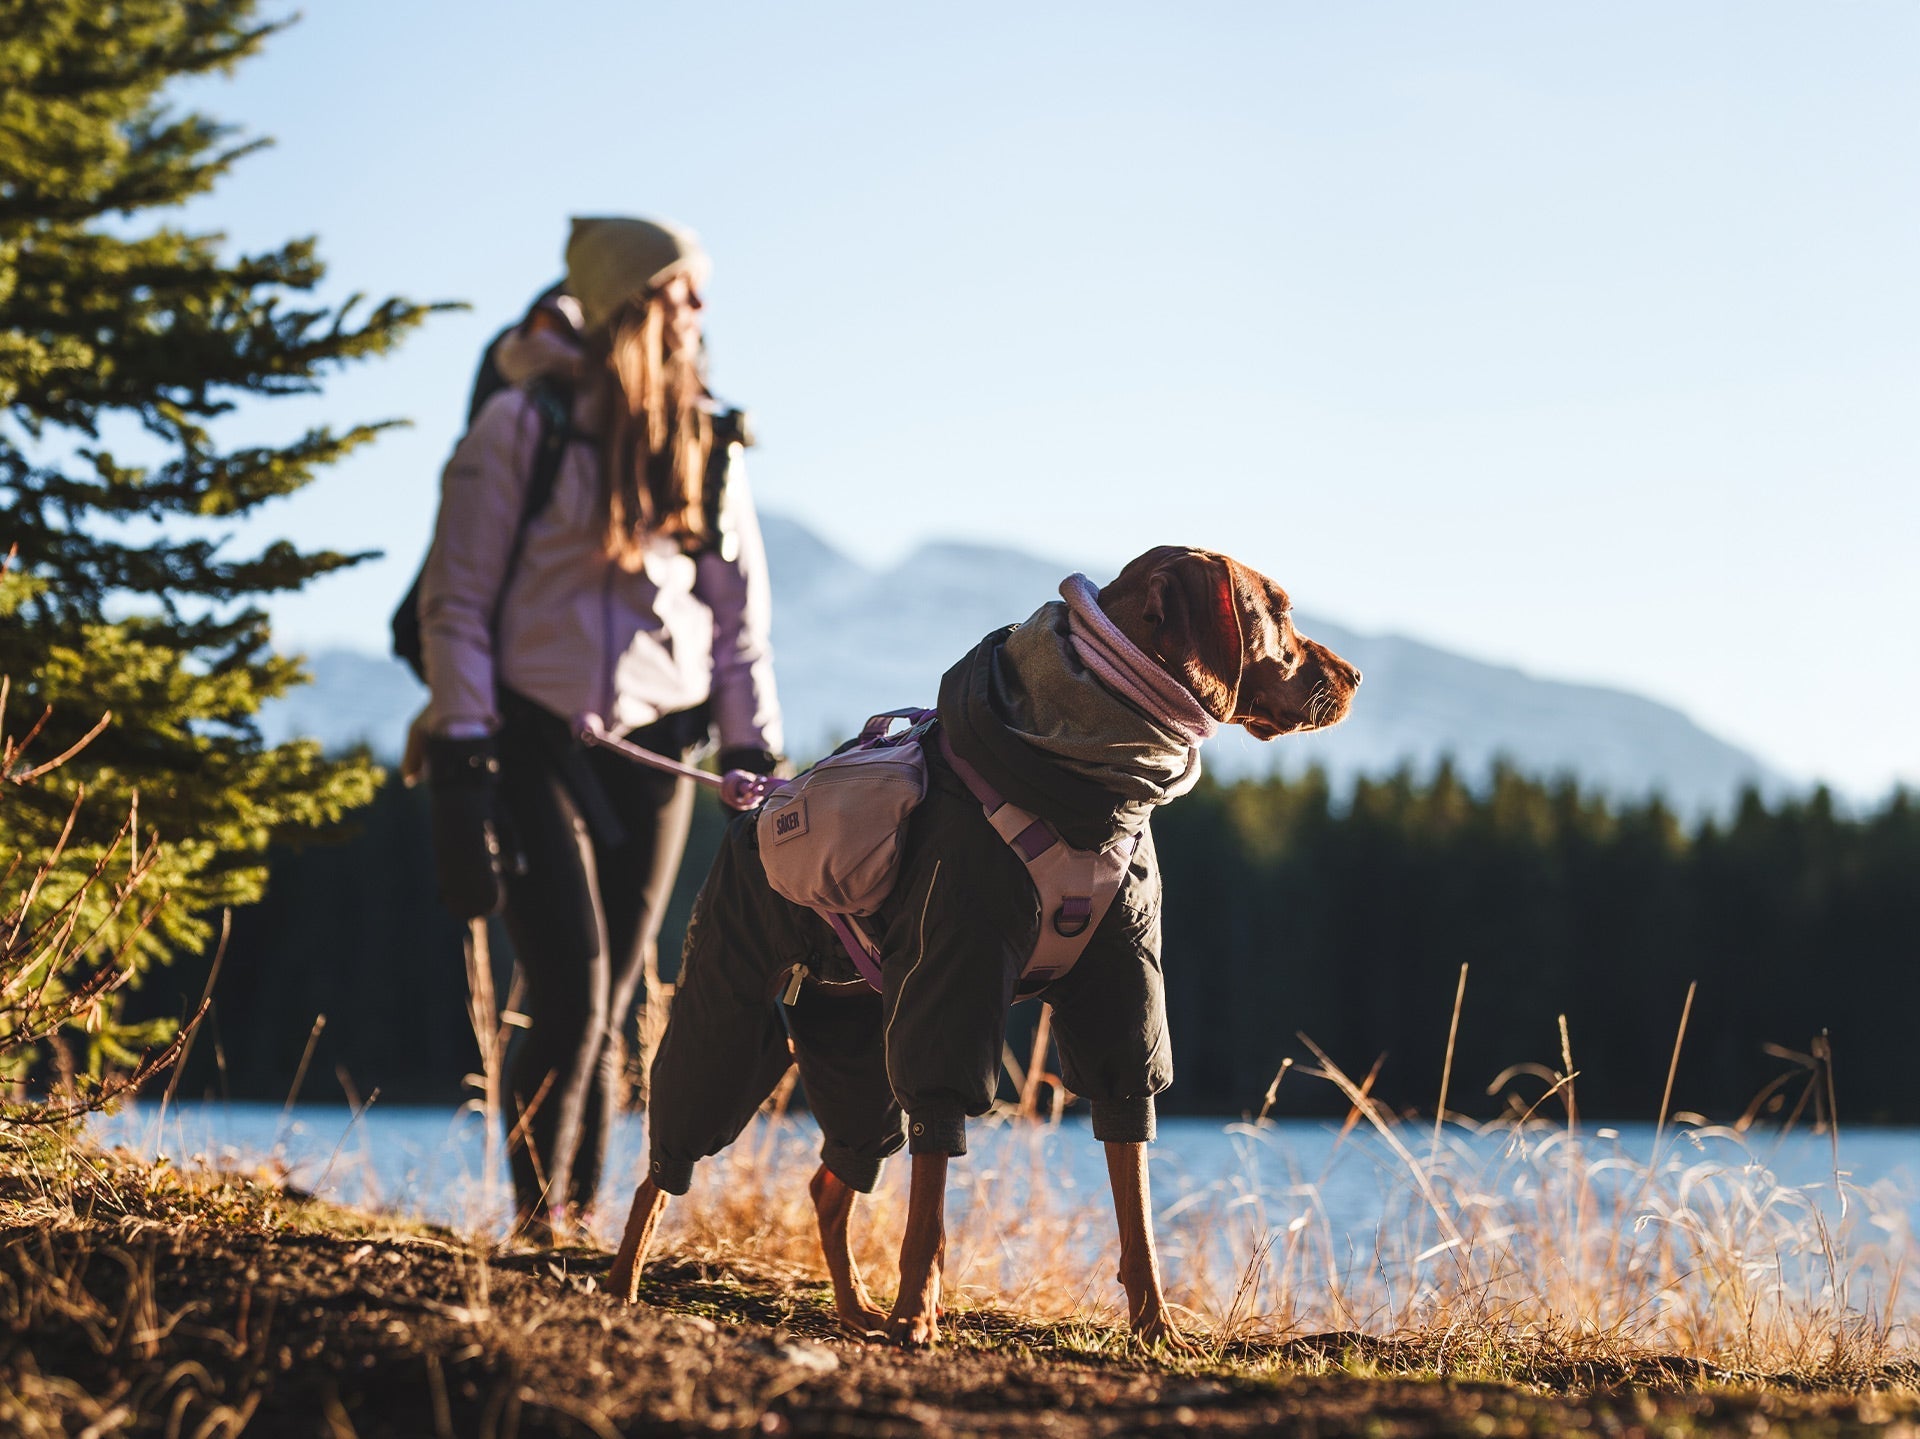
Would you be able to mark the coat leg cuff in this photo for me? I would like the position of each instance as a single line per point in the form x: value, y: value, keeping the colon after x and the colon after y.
x: 671, y: 1176
x: 857, y: 1173
x: 937, y: 1132
x: 1124, y: 1121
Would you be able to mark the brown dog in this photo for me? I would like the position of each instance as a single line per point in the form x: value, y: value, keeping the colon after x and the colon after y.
x: 1225, y: 635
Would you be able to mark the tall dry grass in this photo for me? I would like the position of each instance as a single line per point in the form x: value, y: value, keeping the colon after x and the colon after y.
x: 1509, y: 1237
x: 1518, y: 1242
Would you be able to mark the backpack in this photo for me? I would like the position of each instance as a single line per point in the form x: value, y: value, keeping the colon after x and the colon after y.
x: 553, y: 399
x: 830, y: 838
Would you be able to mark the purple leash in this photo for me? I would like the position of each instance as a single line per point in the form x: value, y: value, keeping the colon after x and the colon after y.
x: 738, y: 788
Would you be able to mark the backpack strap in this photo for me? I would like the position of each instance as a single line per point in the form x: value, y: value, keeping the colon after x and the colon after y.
x: 861, y: 947
x: 731, y: 430
x: 876, y: 732
x: 552, y: 402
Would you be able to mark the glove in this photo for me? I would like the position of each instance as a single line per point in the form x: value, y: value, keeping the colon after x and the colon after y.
x: 753, y: 761
x: 466, y: 841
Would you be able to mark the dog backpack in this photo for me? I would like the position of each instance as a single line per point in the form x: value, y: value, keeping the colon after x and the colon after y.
x: 830, y: 840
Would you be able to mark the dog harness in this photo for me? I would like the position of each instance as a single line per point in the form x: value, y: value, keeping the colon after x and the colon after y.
x: 1075, y: 887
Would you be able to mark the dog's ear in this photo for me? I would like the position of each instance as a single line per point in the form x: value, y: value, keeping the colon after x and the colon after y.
x: 1193, y: 609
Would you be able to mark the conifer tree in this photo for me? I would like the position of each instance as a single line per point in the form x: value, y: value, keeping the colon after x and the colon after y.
x: 124, y: 341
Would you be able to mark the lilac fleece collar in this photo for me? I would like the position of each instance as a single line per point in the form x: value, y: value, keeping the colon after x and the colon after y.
x: 1120, y: 665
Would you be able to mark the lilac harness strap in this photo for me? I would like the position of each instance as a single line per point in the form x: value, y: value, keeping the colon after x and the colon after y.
x: 859, y: 945
x: 1076, y: 887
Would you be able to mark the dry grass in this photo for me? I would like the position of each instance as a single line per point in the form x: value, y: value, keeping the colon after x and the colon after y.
x: 1508, y: 1249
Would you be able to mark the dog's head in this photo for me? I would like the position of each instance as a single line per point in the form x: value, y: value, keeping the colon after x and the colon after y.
x: 1226, y: 633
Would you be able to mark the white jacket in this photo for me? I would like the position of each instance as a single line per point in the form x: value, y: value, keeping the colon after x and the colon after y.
x: 577, y: 633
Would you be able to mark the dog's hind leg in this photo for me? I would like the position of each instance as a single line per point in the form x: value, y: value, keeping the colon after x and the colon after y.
x: 833, y: 1202
x: 623, y: 1280
x: 724, y: 1048
x: 838, y: 1043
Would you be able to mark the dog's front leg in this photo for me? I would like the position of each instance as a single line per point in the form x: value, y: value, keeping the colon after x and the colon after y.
x: 1139, y: 1260
x: 623, y: 1280
x: 915, y: 1321
x: 833, y: 1205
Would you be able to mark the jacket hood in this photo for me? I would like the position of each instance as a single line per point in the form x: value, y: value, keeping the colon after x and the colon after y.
x: 537, y: 353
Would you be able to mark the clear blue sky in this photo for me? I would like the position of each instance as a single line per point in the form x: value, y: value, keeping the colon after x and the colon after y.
x: 1580, y: 337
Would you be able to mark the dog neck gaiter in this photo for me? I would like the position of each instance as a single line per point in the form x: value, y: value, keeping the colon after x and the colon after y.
x: 1045, y: 693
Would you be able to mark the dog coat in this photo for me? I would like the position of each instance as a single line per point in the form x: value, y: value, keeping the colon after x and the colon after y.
x: 912, y: 1063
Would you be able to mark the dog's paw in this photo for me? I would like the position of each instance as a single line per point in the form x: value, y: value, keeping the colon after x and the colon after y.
x: 623, y: 1282
x: 913, y: 1331
x: 1156, y: 1332
x: 866, y: 1321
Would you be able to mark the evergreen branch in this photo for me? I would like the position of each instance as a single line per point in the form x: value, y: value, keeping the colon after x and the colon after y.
x: 182, y: 328
x: 201, y: 483
x: 153, y: 324
x: 84, y: 572
x: 107, y: 52
x: 81, y: 135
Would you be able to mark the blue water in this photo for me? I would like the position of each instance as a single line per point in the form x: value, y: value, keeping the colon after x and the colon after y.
x: 429, y: 1163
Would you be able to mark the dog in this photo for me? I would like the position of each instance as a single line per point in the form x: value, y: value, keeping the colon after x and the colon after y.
x: 1088, y: 715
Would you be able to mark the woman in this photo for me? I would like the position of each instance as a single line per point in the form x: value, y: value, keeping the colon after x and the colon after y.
x: 636, y: 590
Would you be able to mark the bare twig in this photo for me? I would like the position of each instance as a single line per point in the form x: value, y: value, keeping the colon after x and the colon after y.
x: 68, y: 753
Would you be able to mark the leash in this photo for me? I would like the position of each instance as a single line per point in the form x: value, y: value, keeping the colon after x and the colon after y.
x: 737, y: 788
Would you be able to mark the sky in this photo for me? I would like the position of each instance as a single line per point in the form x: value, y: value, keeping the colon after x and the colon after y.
x: 1580, y: 338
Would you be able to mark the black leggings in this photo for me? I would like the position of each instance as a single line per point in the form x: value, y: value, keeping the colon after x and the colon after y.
x: 602, y: 839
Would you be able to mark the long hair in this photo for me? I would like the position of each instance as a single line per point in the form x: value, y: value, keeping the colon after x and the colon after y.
x: 657, y: 433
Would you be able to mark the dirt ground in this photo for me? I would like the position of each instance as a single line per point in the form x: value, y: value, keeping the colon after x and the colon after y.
x: 135, y: 1328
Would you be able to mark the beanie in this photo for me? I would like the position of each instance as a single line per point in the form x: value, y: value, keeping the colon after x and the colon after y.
x: 613, y: 259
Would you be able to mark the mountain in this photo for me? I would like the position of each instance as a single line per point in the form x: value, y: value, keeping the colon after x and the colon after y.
x: 852, y: 640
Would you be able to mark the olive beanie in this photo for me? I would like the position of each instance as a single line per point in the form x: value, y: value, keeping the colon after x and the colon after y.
x: 613, y: 259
